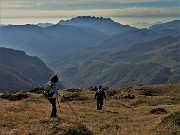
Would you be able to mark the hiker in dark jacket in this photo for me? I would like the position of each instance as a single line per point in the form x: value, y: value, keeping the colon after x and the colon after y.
x: 100, y: 95
x: 52, y: 99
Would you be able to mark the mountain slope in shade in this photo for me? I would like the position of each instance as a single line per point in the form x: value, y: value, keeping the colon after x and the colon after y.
x: 105, y: 25
x: 123, y: 41
x: 141, y: 25
x: 44, y: 25
x: 117, y: 75
x: 52, y: 40
x: 20, y: 71
x: 169, y: 25
x: 152, y: 62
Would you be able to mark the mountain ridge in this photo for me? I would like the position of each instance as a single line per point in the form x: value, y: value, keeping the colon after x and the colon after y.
x: 105, y: 25
x: 83, y: 70
x: 20, y: 71
x: 78, y: 53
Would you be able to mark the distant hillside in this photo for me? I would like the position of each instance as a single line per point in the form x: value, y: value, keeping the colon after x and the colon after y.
x: 105, y: 25
x: 140, y: 56
x: 52, y: 40
x: 125, y: 40
x: 44, y: 25
x: 89, y: 50
x: 141, y: 25
x: 153, y: 62
x: 169, y: 25
x: 19, y: 71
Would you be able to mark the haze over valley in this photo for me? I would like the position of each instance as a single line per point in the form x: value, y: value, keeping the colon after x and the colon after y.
x: 87, y: 51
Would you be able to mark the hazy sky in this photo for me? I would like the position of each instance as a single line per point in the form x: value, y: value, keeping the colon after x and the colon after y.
x: 122, y: 11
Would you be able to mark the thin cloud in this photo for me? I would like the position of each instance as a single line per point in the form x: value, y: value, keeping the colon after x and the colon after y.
x: 116, y: 9
x: 134, y: 12
x: 7, y: 4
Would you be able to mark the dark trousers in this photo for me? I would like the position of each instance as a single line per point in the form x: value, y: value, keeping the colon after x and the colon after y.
x: 99, y: 104
x: 53, y: 103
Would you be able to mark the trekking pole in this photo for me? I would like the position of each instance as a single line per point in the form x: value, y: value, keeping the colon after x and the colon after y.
x: 73, y: 110
x: 59, y: 105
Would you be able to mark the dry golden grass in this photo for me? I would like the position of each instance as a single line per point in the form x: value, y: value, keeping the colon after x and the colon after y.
x: 119, y: 116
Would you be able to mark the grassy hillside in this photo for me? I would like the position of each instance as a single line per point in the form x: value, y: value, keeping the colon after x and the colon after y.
x: 154, y: 110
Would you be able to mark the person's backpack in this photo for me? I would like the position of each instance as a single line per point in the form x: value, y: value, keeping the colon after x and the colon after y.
x: 48, y: 93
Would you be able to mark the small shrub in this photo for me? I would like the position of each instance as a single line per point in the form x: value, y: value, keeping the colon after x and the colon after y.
x: 150, y: 91
x: 78, y: 129
x: 74, y: 90
x: 147, y: 93
x: 91, y: 88
x: 158, y: 111
x: 37, y: 90
x: 129, y: 96
x: 14, y: 97
x: 111, y: 93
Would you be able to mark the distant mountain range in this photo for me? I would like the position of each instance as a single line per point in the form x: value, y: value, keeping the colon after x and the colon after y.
x: 141, y: 25
x: 94, y: 50
x: 105, y: 25
x: 44, y: 25
x: 139, y: 56
x: 163, y: 26
x: 19, y: 71
x: 154, y: 62
x: 52, y: 40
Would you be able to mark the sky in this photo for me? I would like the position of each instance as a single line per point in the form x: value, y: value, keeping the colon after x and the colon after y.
x: 122, y: 11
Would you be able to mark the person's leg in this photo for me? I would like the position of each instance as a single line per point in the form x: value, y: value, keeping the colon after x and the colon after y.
x: 101, y: 104
x: 98, y: 104
x: 53, y: 102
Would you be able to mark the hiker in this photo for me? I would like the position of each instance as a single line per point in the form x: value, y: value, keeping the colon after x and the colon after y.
x: 100, y: 95
x: 52, y: 98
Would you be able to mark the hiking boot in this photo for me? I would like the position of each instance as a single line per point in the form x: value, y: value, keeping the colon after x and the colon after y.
x: 54, y: 116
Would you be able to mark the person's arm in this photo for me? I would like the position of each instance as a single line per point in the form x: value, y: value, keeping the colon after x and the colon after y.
x: 95, y: 95
x: 56, y: 92
x: 104, y: 94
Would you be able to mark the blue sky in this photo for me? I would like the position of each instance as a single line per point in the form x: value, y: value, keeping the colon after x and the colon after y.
x: 122, y: 11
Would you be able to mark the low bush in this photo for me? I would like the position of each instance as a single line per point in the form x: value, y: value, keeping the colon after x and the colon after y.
x: 111, y: 93
x: 14, y: 97
x: 78, y: 129
x: 129, y: 96
x: 37, y: 90
x: 158, y: 111
x: 74, y: 90
x: 150, y: 91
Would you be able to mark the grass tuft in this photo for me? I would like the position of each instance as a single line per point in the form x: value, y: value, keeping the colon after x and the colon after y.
x: 78, y: 129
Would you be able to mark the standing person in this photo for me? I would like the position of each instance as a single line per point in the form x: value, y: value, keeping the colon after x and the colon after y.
x: 54, y: 93
x: 100, y: 95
